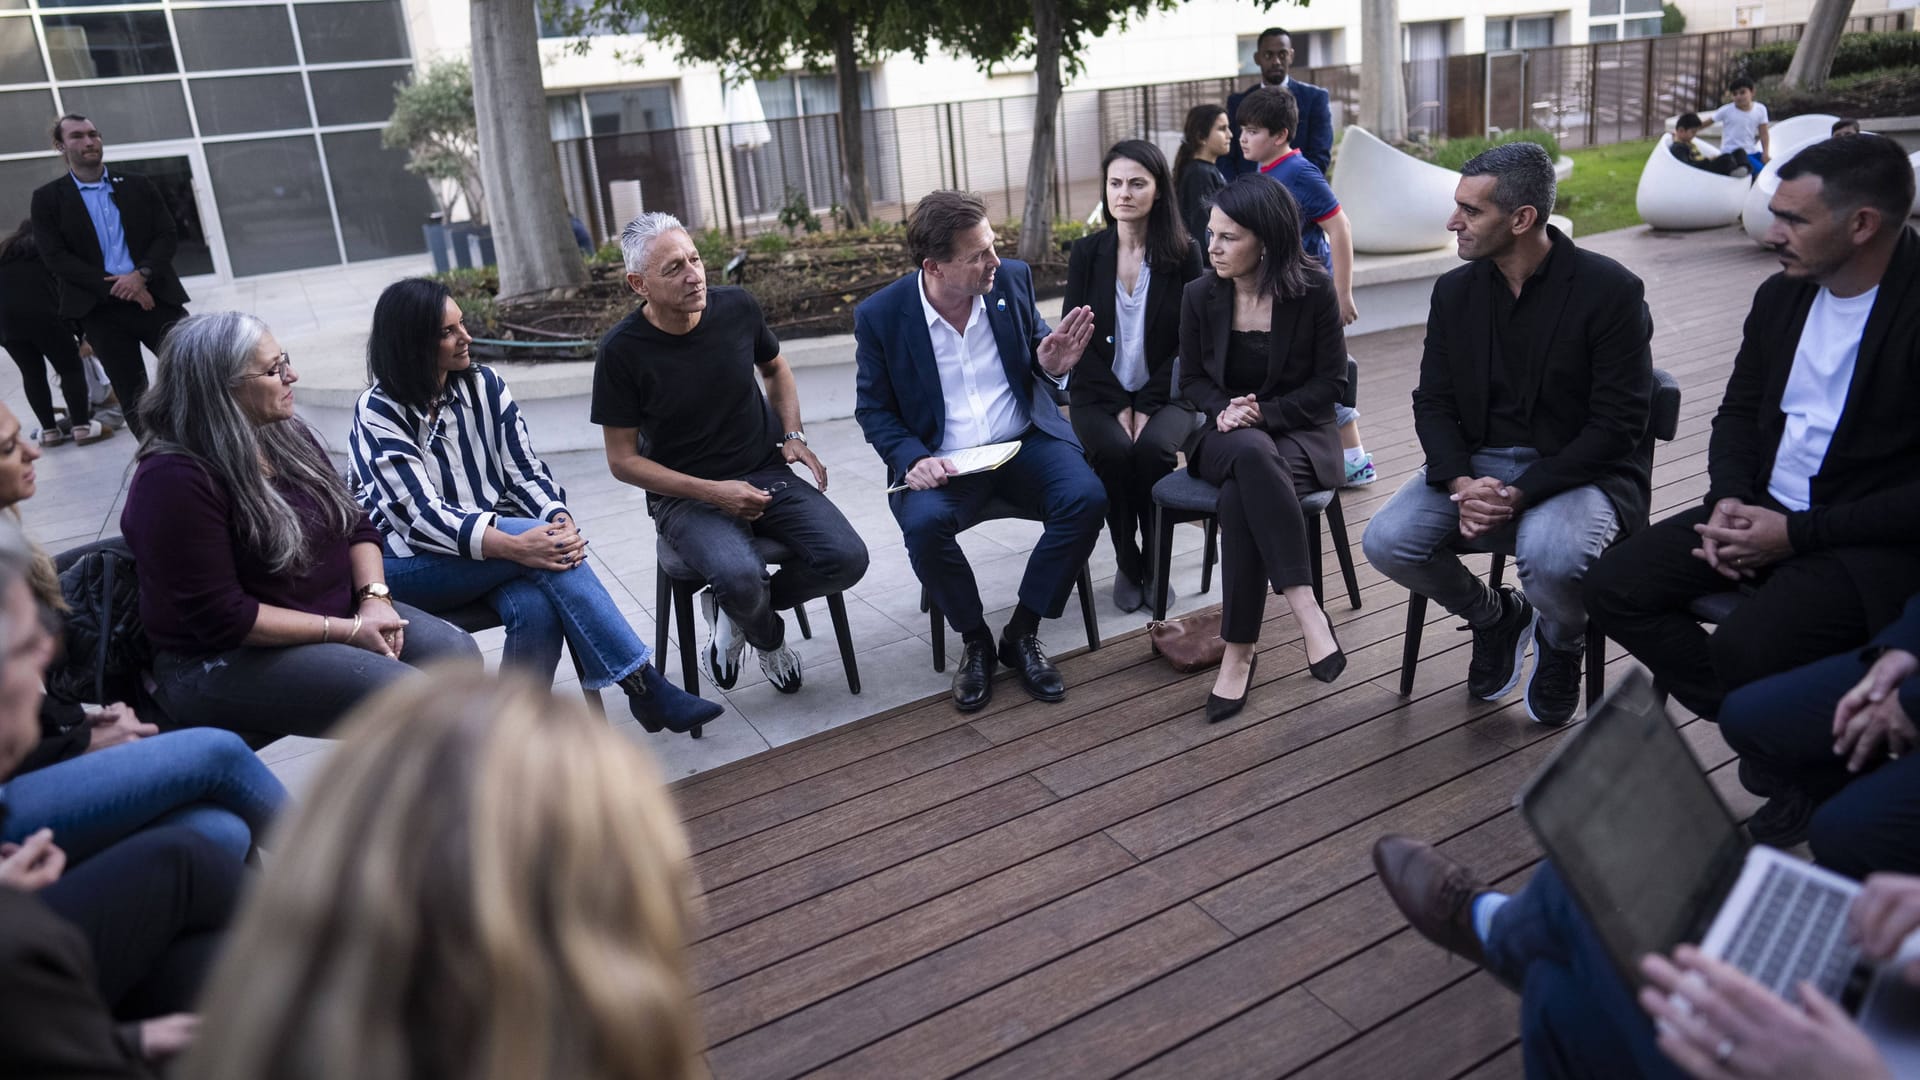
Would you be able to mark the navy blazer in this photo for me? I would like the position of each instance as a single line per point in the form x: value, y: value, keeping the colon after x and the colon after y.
x: 898, y: 399
x: 1314, y: 140
x: 71, y: 249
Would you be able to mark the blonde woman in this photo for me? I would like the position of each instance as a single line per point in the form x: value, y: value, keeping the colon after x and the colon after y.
x: 491, y: 884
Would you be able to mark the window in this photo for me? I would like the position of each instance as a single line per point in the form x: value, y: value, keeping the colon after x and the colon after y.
x: 1604, y: 32
x: 235, y: 37
x: 272, y: 205
x: 630, y: 109
x: 338, y: 33
x: 564, y: 119
x: 1639, y: 28
x: 1311, y: 48
x: 20, y: 53
x: 1520, y: 32
x: 108, y: 46
x: 244, y: 103
x: 556, y: 15
x: 381, y: 205
x: 132, y: 112
x: 356, y: 95
x: 25, y: 119
x: 18, y: 179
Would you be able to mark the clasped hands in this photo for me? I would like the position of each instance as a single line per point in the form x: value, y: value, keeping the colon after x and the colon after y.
x: 132, y: 287
x: 1485, y: 503
x: 1738, y: 539
x: 1243, y: 411
x: 1870, y: 717
x: 557, y: 545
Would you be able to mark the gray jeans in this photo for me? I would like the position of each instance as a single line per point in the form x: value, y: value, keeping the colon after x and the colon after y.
x: 1415, y: 540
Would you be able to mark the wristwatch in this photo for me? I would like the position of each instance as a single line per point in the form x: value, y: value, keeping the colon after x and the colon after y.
x: 791, y: 435
x: 373, y: 590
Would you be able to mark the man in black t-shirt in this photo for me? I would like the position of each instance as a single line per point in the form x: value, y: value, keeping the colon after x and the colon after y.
x: 685, y: 420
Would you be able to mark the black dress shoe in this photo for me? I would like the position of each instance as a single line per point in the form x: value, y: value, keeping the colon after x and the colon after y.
x: 1219, y: 708
x: 973, y: 678
x: 1028, y: 659
x: 1128, y: 594
x: 1329, y: 667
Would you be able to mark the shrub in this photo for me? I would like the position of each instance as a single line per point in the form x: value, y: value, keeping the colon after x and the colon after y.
x: 1857, y: 53
x: 1672, y: 19
x: 1453, y: 153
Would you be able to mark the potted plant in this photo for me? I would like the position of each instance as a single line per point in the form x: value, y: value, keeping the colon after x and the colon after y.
x: 433, y: 119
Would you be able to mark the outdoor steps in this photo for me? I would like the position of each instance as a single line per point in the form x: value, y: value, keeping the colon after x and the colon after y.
x: 1391, y: 291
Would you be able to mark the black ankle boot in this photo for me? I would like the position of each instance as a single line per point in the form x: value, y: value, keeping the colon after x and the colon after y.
x: 659, y: 705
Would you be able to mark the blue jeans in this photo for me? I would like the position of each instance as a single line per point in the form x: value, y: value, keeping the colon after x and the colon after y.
x: 203, y: 778
x: 541, y: 608
x: 1413, y: 538
x: 1577, y: 1017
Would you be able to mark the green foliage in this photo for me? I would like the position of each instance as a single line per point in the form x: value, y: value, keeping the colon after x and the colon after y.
x: 1453, y: 153
x: 1858, y: 53
x: 715, y: 248
x: 433, y: 119
x: 771, y: 243
x: 796, y: 213
x: 1885, y: 92
x: 474, y: 290
x: 1599, y: 196
x: 1672, y: 19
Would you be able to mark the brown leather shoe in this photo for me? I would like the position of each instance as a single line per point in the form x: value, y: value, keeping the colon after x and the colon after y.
x: 1433, y: 892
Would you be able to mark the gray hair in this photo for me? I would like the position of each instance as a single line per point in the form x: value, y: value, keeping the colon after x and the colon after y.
x: 636, y: 240
x: 1523, y: 176
x: 190, y: 410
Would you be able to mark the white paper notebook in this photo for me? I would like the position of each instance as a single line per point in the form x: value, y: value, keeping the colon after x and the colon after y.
x: 976, y: 459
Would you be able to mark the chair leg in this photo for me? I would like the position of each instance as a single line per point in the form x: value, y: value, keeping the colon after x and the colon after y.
x: 689, y: 647
x: 592, y: 696
x: 939, y: 628
x: 1596, y: 667
x: 1343, y: 551
x: 662, y: 617
x: 1211, y: 555
x: 800, y: 616
x: 1315, y: 559
x: 837, y: 611
x: 1162, y: 559
x: 1496, y: 572
x: 1410, y: 652
x: 1087, y: 611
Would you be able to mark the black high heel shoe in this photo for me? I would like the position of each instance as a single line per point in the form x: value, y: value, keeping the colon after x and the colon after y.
x: 1219, y: 708
x: 1329, y: 667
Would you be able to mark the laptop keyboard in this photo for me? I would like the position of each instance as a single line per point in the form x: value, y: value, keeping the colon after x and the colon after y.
x: 1795, y: 929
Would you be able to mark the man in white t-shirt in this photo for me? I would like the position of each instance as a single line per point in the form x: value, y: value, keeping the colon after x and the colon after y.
x: 1743, y: 127
x: 1813, y: 508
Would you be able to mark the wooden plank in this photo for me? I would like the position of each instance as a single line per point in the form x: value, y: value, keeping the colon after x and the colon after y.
x: 1451, y: 1032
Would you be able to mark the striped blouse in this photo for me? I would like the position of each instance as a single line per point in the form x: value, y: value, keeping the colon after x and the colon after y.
x: 477, y: 465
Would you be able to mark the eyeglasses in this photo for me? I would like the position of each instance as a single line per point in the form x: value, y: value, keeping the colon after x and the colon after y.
x: 280, y: 369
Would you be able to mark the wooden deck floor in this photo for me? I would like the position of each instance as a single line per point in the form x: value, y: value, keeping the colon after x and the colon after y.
x: 1109, y: 886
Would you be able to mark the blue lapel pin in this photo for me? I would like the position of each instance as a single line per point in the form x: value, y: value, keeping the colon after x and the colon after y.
x: 1000, y: 304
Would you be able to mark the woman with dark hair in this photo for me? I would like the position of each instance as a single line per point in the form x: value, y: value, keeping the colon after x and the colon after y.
x: 35, y: 337
x: 1131, y: 274
x: 261, y: 588
x: 1207, y: 138
x: 443, y: 467
x: 1265, y: 361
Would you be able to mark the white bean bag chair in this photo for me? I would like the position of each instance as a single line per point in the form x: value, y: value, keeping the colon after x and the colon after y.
x: 1914, y: 159
x: 1563, y: 223
x: 1675, y: 195
x: 1788, y: 138
x: 1397, y: 203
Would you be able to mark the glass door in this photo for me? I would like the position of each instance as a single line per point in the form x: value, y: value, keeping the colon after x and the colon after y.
x: 176, y: 173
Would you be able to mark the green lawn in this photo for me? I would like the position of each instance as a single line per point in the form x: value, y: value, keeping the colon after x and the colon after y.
x: 1599, y: 194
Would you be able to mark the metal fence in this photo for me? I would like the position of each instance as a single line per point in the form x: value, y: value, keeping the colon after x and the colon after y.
x: 737, y: 177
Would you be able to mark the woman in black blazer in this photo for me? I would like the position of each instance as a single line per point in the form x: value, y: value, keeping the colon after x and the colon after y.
x: 1131, y: 273
x: 1265, y: 362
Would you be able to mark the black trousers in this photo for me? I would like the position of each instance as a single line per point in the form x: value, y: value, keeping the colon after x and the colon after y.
x: 1263, y: 532
x: 1802, y: 609
x: 152, y: 908
x: 1868, y: 822
x: 116, y: 329
x: 38, y: 344
x: 1128, y: 468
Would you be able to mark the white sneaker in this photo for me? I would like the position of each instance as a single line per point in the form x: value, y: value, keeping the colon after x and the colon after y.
x: 90, y: 432
x: 720, y: 660
x: 782, y: 666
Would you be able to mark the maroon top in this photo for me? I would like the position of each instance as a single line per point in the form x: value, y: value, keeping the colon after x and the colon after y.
x: 200, y: 587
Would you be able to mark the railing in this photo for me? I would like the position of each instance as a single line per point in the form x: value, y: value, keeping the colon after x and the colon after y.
x: 737, y: 177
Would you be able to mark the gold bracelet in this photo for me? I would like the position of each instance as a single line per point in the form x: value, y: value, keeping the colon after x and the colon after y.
x: 326, y: 629
x: 355, y: 632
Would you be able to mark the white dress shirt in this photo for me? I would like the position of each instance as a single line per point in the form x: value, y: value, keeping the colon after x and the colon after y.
x: 1816, y: 392
x: 981, y: 404
x: 1130, y: 330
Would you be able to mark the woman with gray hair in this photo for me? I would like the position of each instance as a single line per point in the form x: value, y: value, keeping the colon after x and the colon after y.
x: 261, y: 580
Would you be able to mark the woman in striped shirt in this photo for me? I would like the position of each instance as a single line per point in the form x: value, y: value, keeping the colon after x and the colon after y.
x: 466, y: 512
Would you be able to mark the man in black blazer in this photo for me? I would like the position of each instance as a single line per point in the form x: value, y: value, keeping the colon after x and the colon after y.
x: 1273, y: 51
x: 109, y: 239
x: 1532, y: 409
x: 954, y: 356
x: 1813, y: 508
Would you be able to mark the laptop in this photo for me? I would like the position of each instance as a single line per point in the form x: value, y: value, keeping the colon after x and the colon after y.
x: 1655, y: 859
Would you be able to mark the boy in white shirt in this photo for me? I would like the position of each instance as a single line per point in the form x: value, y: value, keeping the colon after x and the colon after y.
x: 1743, y: 127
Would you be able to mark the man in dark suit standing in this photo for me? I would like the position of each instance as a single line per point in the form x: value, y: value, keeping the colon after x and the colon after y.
x: 1532, y: 407
x: 1273, y: 51
x: 1813, y: 505
x: 109, y: 239
x: 953, y: 356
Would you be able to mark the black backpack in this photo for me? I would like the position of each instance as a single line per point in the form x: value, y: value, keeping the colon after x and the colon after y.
x: 106, y: 645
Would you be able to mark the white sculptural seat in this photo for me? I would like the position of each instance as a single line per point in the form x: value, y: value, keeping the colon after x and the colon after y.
x: 1675, y: 195
x: 1395, y: 202
x: 1786, y: 138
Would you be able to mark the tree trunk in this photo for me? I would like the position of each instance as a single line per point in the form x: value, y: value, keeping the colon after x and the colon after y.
x: 853, y: 144
x: 1383, y: 89
x: 518, y: 170
x: 1036, y: 221
x: 1813, y: 57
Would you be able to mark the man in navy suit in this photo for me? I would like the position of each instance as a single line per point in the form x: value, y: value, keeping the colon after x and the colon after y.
x: 952, y: 356
x: 1273, y: 51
